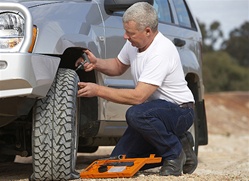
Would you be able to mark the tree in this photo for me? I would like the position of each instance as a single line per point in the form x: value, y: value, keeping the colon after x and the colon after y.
x: 222, y: 73
x: 238, y: 44
x: 211, y: 36
x: 225, y: 68
x: 214, y: 34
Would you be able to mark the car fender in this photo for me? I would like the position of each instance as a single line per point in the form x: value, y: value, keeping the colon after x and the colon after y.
x: 67, y: 24
x: 189, y: 62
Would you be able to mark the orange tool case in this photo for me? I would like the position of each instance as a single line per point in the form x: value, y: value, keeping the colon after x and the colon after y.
x: 117, y: 167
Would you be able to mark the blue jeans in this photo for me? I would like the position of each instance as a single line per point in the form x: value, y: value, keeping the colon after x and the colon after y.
x: 154, y: 128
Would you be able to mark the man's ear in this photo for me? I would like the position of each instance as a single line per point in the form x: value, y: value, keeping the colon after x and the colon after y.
x: 148, y: 31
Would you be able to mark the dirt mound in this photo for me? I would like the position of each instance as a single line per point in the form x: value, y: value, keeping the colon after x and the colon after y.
x: 228, y: 113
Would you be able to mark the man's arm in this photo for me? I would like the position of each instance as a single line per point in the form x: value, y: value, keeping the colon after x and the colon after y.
x: 111, y: 67
x: 123, y: 96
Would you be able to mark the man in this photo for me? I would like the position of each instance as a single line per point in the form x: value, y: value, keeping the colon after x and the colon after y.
x: 162, y: 110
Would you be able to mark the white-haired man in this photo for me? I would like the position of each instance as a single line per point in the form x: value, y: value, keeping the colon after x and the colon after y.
x: 162, y: 104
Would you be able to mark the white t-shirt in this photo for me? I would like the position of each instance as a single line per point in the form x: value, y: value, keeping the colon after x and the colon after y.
x: 159, y: 65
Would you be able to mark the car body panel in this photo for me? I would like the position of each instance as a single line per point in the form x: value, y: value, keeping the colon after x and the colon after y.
x: 29, y: 75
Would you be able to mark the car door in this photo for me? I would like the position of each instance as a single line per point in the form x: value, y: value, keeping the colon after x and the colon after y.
x: 177, y: 23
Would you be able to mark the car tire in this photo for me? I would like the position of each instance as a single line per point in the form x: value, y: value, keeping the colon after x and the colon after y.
x: 55, y: 130
x: 196, y: 137
x: 194, y: 131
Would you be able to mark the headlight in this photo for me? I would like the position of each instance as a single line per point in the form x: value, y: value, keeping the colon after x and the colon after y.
x: 15, y: 28
x: 11, y: 31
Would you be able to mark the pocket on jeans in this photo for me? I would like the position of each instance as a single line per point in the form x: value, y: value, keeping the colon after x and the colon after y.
x: 184, y: 122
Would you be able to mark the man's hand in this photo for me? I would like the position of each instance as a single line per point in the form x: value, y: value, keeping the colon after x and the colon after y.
x: 87, y: 89
x: 89, y: 65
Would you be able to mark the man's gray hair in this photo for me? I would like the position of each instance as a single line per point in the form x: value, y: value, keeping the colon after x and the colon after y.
x: 143, y: 14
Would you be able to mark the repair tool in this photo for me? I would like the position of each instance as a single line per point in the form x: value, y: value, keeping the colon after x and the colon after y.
x: 85, y: 58
x: 113, y: 158
x: 117, y: 167
x: 104, y: 167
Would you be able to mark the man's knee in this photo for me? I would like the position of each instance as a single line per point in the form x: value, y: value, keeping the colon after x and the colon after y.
x: 130, y: 113
x: 133, y: 114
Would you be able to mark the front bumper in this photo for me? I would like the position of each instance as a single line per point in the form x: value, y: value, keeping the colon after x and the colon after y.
x: 29, y: 75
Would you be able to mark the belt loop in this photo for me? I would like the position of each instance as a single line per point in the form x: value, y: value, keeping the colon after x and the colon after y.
x: 187, y: 105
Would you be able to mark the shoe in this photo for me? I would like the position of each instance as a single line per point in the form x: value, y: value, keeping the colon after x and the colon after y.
x: 191, y: 158
x: 173, y: 167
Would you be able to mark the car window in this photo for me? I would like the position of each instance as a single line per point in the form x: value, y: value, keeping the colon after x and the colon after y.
x: 163, y: 10
x: 183, y: 15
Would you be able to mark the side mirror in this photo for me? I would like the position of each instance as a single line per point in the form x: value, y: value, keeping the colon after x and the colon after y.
x: 112, y: 6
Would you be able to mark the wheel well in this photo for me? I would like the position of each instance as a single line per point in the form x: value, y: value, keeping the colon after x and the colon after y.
x: 88, y: 121
x: 192, y: 81
x: 68, y: 59
x: 194, y: 85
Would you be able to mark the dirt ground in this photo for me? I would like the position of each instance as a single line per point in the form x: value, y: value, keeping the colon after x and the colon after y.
x: 226, y: 157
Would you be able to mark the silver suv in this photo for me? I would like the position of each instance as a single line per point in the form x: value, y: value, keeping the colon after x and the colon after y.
x: 40, y: 113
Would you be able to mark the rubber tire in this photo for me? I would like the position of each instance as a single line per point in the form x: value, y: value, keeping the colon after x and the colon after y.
x: 55, y: 130
x: 194, y: 129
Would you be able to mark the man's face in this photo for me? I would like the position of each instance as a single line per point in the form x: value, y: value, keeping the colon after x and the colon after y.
x: 137, y: 38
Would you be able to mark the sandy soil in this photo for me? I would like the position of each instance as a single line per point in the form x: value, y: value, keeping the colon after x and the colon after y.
x: 226, y: 157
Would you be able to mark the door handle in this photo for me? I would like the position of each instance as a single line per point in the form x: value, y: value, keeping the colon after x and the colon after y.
x: 179, y: 42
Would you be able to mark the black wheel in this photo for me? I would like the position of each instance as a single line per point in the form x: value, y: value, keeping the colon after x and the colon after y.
x: 87, y: 149
x: 55, y: 130
x: 194, y: 131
